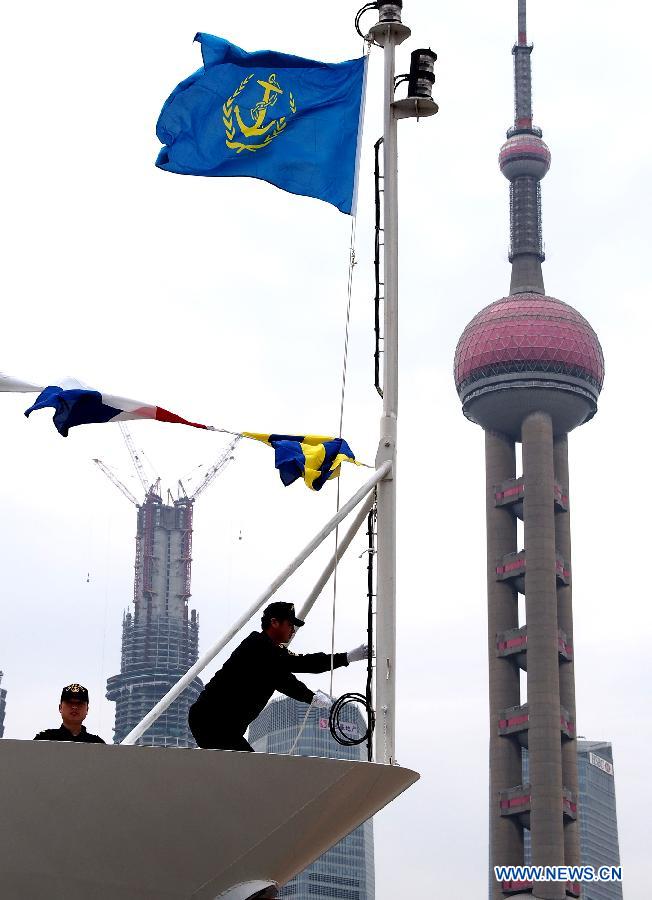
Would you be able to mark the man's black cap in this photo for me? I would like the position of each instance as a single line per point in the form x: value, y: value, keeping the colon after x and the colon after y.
x: 74, y: 693
x: 284, y: 612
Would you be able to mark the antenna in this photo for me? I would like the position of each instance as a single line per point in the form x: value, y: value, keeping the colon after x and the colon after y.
x: 522, y: 77
x: 522, y: 28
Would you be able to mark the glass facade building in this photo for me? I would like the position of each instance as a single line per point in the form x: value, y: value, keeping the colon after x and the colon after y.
x: 596, y: 815
x: 346, y: 871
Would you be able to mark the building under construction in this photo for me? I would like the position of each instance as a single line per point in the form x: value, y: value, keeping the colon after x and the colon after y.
x: 160, y: 638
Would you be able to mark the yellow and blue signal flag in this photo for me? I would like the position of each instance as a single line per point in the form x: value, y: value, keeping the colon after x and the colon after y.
x: 293, y: 122
x: 313, y: 457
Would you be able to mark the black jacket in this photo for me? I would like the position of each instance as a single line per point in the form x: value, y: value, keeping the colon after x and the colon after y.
x: 62, y: 734
x: 242, y: 688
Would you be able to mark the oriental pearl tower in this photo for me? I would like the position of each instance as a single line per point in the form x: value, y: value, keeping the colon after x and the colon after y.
x: 529, y: 368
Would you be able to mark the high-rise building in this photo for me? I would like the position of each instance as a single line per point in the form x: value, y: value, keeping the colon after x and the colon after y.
x: 159, y: 638
x: 3, y: 704
x: 598, y: 821
x: 346, y: 871
x: 529, y: 369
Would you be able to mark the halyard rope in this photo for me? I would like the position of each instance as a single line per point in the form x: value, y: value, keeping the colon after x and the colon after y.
x: 345, y: 360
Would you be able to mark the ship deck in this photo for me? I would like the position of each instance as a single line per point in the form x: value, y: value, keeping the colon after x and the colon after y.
x: 93, y: 821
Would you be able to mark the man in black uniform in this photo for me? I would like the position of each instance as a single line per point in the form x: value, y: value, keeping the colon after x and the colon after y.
x: 74, y: 709
x: 262, y: 664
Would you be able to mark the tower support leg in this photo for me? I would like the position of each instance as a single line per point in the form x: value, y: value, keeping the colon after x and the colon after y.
x: 544, y: 733
x: 505, y: 771
x: 567, y: 669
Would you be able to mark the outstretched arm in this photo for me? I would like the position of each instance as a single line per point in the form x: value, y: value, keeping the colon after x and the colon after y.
x: 314, y: 662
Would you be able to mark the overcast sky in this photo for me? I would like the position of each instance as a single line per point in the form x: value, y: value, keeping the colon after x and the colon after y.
x: 224, y: 300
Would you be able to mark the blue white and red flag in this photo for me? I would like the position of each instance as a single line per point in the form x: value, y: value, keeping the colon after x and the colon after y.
x: 75, y: 403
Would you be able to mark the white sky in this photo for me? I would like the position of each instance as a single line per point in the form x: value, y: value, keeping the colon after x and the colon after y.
x: 224, y: 300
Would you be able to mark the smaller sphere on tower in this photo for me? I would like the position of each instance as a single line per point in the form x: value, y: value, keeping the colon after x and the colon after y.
x: 524, y: 154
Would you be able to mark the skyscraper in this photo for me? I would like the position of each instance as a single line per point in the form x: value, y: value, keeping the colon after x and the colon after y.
x: 598, y: 821
x: 529, y: 369
x: 346, y: 871
x: 159, y: 639
x: 3, y: 703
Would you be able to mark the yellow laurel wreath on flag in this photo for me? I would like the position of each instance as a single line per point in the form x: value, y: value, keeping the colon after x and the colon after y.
x: 227, y: 118
x: 227, y: 108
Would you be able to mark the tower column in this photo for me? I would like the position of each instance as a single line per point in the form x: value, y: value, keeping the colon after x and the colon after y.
x: 567, y: 668
x: 544, y: 738
x: 526, y: 275
x: 506, y: 834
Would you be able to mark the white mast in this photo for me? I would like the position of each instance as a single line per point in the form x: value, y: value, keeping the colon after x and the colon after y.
x: 389, y: 32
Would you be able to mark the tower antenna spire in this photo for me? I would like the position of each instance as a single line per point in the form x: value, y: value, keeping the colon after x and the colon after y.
x: 522, y: 27
x: 522, y: 77
x: 524, y: 160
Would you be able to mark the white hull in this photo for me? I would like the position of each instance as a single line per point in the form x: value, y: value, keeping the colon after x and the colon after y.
x: 103, y: 822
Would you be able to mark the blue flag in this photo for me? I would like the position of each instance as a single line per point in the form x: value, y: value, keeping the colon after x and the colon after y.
x: 293, y: 122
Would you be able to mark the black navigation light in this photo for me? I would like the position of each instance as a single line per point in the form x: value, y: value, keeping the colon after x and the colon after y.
x: 389, y: 12
x: 422, y: 74
x: 389, y: 22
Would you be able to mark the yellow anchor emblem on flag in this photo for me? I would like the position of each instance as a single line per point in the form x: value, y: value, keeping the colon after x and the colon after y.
x: 260, y: 133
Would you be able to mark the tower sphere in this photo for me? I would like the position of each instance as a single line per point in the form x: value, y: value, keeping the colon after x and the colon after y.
x: 524, y: 154
x: 527, y: 353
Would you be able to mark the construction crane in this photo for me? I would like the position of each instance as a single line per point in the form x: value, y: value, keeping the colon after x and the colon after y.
x: 218, y: 466
x: 116, y: 481
x: 135, y: 458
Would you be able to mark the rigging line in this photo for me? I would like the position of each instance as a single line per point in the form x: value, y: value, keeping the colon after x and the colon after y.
x: 366, y: 50
x: 345, y: 360
x: 300, y: 731
x: 366, y: 45
x: 349, y: 291
x: 334, y: 594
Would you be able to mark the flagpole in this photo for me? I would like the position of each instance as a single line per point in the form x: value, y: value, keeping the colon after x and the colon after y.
x: 388, y: 34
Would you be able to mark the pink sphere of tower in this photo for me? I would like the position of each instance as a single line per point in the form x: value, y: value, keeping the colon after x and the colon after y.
x: 525, y: 353
x: 524, y: 154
